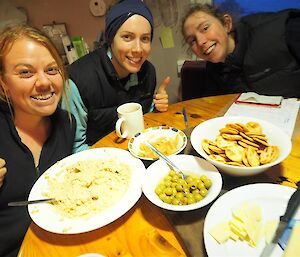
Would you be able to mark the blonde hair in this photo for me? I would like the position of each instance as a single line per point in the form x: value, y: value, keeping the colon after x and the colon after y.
x: 7, y: 38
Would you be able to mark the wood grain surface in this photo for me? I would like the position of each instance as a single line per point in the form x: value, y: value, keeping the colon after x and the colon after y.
x: 147, y: 230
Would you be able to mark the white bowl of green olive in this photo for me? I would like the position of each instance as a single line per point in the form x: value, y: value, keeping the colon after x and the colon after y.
x: 167, y: 189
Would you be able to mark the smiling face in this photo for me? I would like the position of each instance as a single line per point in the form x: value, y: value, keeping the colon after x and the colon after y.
x: 131, y: 45
x: 208, y: 37
x: 31, y: 79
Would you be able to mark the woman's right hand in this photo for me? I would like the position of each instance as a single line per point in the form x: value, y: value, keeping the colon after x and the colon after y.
x: 2, y: 171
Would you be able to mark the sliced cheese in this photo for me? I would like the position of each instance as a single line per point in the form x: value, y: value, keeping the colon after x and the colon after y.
x: 245, y: 225
x: 233, y: 235
x: 220, y: 232
x: 256, y: 236
x: 269, y: 229
x: 249, y: 215
x: 237, y: 227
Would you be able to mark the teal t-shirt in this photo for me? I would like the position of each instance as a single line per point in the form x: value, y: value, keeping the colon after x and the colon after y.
x: 75, y: 105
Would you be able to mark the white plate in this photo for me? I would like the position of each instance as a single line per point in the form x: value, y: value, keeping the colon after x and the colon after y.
x: 159, y: 169
x: 209, y: 129
x: 271, y: 198
x: 153, y: 133
x: 47, y: 217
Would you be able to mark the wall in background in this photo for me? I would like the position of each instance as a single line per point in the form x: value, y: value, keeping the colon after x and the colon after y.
x: 79, y: 21
x: 165, y: 59
x: 75, y: 14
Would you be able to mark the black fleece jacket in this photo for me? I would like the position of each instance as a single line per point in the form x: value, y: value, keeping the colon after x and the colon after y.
x: 22, y: 173
x: 102, y: 91
x: 265, y: 59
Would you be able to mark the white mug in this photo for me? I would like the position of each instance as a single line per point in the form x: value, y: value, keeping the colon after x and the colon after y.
x: 131, y: 120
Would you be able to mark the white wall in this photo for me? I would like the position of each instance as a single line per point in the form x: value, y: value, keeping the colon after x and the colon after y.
x: 79, y: 21
x: 165, y: 60
x: 74, y: 13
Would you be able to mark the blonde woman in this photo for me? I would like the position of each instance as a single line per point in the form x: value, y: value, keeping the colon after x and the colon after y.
x: 34, y: 132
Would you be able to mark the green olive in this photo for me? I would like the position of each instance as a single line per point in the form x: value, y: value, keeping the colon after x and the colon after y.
x: 174, y: 184
x: 168, y: 183
x: 190, y: 200
x: 158, y: 190
x: 203, y: 178
x: 172, y: 189
x: 196, y: 191
x: 172, y: 173
x: 167, y: 199
x: 162, y: 196
x: 207, y: 183
x: 168, y: 178
x: 184, y: 201
x: 198, y: 197
x: 189, y: 179
x: 203, y: 192
x: 182, y: 182
x: 168, y: 191
x: 175, y: 178
x: 179, y: 188
x: 179, y: 195
x: 175, y: 201
x: 189, y: 195
x: 201, y: 185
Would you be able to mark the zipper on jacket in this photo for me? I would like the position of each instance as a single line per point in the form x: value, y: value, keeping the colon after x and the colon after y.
x: 37, y: 169
x: 259, y: 74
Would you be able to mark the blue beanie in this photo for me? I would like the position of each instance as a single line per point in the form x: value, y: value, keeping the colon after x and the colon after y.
x: 122, y: 11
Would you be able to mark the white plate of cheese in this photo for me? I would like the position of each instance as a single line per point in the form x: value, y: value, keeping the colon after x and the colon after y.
x: 271, y: 201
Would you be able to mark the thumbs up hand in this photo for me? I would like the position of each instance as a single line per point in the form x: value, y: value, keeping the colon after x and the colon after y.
x: 2, y: 171
x: 160, y: 99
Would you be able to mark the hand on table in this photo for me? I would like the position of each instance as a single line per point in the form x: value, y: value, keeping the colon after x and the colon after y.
x: 160, y: 100
x: 2, y: 171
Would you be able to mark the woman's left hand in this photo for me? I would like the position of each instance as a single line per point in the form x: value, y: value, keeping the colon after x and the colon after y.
x: 160, y: 100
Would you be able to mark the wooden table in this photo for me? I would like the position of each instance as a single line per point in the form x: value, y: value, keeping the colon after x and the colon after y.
x: 147, y: 230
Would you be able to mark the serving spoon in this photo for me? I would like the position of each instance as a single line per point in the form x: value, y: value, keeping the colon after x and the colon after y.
x: 166, y: 159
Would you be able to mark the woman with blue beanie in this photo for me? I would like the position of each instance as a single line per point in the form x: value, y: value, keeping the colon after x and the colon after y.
x: 116, y: 73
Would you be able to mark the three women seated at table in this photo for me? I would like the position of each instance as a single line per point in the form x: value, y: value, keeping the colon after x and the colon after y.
x: 260, y: 53
x: 35, y: 132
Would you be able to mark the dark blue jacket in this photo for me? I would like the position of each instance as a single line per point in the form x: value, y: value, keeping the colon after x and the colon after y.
x: 263, y: 60
x: 102, y: 91
x: 22, y: 173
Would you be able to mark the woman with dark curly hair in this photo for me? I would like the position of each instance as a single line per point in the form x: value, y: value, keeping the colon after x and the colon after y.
x: 260, y: 53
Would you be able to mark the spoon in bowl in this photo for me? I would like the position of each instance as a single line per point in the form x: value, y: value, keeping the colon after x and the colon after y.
x: 166, y: 159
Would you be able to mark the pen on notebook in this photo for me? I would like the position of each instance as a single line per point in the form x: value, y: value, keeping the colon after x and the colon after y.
x: 185, y: 117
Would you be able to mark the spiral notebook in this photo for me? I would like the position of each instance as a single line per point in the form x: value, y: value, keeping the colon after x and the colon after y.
x: 254, y: 98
